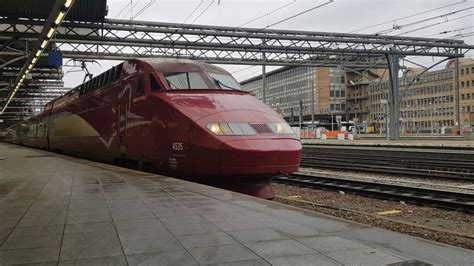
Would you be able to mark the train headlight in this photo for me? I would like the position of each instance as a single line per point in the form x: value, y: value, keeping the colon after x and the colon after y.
x: 231, y: 129
x: 281, y: 128
x: 215, y: 128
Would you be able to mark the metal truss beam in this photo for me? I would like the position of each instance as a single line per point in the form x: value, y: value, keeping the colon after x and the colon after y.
x: 122, y: 39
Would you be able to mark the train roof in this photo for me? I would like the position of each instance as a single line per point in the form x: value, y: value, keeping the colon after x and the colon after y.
x: 173, y: 64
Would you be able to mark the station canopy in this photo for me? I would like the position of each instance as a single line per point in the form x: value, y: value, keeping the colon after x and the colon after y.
x: 82, y: 10
x: 45, y: 81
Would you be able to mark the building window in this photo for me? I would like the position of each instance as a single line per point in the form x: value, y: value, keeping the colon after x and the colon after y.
x: 462, y: 71
x: 467, y: 71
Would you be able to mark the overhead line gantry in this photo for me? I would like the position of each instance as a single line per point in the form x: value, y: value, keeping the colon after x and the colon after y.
x: 116, y: 39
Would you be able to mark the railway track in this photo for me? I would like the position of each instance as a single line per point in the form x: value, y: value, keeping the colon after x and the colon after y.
x: 432, y: 197
x: 400, y: 162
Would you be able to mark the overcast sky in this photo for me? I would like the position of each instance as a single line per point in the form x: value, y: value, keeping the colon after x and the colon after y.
x: 339, y: 16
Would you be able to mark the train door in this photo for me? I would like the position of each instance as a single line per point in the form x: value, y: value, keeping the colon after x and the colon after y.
x: 123, y: 105
x: 129, y: 122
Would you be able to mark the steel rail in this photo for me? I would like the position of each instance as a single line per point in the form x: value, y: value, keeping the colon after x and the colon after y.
x: 433, y: 197
x: 420, y: 173
x: 411, y: 164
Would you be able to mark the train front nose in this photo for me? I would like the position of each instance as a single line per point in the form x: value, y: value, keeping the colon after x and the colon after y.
x: 260, y: 157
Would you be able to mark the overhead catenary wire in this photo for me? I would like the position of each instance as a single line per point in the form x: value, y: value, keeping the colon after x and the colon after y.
x: 202, y: 12
x: 194, y: 11
x: 435, y: 24
x: 445, y: 15
x: 141, y: 11
x: 299, y: 14
x: 449, y: 31
x: 123, y: 9
x: 269, y: 13
x: 409, y: 16
x: 291, y: 17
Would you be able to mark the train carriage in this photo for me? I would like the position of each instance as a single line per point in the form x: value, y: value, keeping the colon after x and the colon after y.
x: 176, y: 117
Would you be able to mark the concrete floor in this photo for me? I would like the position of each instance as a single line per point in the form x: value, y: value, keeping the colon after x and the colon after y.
x: 56, y: 209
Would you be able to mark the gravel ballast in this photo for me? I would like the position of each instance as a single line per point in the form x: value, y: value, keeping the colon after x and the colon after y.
x: 450, y: 227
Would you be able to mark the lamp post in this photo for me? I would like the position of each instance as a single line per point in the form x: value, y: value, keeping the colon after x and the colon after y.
x: 407, y: 117
x: 332, y: 121
x: 431, y: 118
x: 414, y: 118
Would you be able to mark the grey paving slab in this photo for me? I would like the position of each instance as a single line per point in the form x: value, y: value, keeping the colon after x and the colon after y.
x: 134, y: 246
x: 45, y: 214
x: 89, y: 227
x: 31, y: 242
x: 220, y: 254
x: 142, y: 233
x: 8, y: 223
x: 304, y: 260
x: 237, y: 225
x: 279, y: 248
x: 138, y: 223
x: 41, y: 221
x: 295, y: 230
x: 108, y: 261
x: 206, y: 240
x: 116, y: 216
x: 89, y: 218
x: 365, y: 257
x: 5, y: 231
x: 224, y: 217
x: 90, y: 250
x: 193, y: 229
x: 38, y: 230
x: 257, y: 235
x: 260, y: 262
x: 90, y: 237
x: 188, y: 219
x: 417, y: 248
x: 327, y: 244
x: 32, y: 255
x: 174, y: 257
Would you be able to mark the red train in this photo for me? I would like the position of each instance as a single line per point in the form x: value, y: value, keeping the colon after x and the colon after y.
x: 175, y: 117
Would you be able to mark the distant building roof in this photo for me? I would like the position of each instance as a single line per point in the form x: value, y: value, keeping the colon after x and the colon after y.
x: 273, y: 72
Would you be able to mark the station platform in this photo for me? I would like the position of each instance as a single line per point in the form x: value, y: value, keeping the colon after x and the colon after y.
x: 56, y: 209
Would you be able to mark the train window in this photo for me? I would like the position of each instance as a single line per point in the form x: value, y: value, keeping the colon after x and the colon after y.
x: 140, y: 86
x: 185, y: 81
x: 154, y: 85
x: 101, y: 81
x: 225, y: 82
x: 118, y: 71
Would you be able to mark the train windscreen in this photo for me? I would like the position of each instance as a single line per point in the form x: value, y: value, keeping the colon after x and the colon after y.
x: 225, y: 82
x: 185, y: 81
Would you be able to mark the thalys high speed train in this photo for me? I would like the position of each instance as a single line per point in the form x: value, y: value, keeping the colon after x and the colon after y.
x: 180, y: 118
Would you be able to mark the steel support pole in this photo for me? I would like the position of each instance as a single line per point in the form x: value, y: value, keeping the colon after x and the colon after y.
x: 264, y: 80
x: 332, y: 121
x: 457, y: 96
x: 312, y: 99
x: 394, y: 96
x: 301, y: 113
